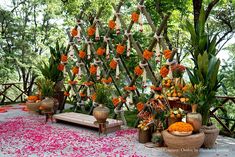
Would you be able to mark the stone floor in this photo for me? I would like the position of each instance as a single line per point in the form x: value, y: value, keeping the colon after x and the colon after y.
x: 24, y: 134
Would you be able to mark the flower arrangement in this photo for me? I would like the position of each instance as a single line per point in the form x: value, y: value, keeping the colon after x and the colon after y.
x: 116, y: 101
x: 138, y: 70
x: 82, y: 94
x: 140, y: 106
x: 112, y: 24
x: 177, y: 113
x: 100, y: 51
x: 120, y: 49
x: 195, y: 94
x: 74, y: 32
x: 156, y: 89
x: 147, y: 54
x: 113, y: 64
x: 33, y: 98
x: 181, y: 127
x: 93, y: 97
x: 93, y: 69
x: 91, y: 31
x: 75, y: 70
x: 145, y: 124
x: 178, y: 70
x: 82, y: 54
x: 135, y: 17
x: 167, y: 53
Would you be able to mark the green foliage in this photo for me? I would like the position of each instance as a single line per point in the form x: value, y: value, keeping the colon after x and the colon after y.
x: 102, y: 94
x: 196, y: 94
x: 46, y: 87
x: 50, y: 71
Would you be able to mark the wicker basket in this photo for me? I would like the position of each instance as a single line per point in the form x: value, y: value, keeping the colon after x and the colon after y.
x: 144, y: 136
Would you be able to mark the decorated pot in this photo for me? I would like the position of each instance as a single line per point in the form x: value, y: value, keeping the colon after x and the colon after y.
x: 144, y: 135
x: 195, y: 119
x: 211, y: 133
x: 101, y: 113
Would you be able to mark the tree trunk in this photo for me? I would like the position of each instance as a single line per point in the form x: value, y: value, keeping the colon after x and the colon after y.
x: 197, y: 4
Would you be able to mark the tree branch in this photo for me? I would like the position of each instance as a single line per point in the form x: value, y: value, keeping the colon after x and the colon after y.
x: 209, y: 8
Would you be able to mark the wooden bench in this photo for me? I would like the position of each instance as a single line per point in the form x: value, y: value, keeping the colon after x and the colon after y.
x: 87, y: 120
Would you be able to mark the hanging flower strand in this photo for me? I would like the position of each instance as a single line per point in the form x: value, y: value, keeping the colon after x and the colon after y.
x: 118, y: 23
x: 141, y: 16
x: 120, y: 49
x: 135, y: 17
x: 112, y: 24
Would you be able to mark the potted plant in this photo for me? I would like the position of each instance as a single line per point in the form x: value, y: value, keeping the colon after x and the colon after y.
x: 196, y: 96
x: 144, y: 132
x: 205, y: 72
x: 101, y: 112
x: 51, y: 72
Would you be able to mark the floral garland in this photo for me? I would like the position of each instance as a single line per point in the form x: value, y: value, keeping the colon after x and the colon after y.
x: 181, y: 127
x: 93, y: 97
x: 106, y: 81
x: 112, y: 24
x: 74, y: 32
x: 88, y: 83
x: 72, y: 82
x: 75, y: 70
x: 154, y: 88
x: 60, y: 67
x: 138, y: 70
x: 140, y: 106
x: 116, y: 101
x: 64, y: 58
x: 100, y: 51
x: 120, y: 49
x: 164, y: 71
x: 93, y: 69
x: 66, y: 94
x: 147, y: 54
x: 130, y: 88
x: 82, y: 94
x: 167, y: 53
x: 135, y: 17
x: 82, y: 54
x: 113, y: 64
x: 91, y: 31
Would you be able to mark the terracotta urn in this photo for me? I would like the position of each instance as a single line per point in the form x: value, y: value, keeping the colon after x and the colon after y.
x: 195, y: 119
x: 101, y: 113
x: 211, y: 133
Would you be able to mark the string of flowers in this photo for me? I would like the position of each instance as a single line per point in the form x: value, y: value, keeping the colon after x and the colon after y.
x: 82, y: 54
x: 91, y: 31
x: 120, y: 49
x: 106, y: 81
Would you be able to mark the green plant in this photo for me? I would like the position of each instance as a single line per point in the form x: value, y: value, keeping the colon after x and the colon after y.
x: 206, y: 64
x: 49, y: 70
x: 102, y: 94
x: 195, y: 94
x: 46, y: 87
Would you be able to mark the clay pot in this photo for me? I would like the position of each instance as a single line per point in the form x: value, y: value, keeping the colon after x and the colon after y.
x: 101, y: 113
x: 195, y: 119
x: 194, y: 141
x: 144, y: 135
x: 211, y: 133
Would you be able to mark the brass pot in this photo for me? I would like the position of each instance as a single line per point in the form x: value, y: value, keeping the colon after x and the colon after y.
x: 195, y: 119
x: 101, y: 113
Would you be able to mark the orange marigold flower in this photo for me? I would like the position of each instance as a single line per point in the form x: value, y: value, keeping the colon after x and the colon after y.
x: 93, y: 97
x: 131, y: 88
x: 112, y: 24
x: 140, y: 106
x: 107, y: 81
x: 164, y: 71
x: 138, y: 70
x: 120, y: 49
x: 116, y: 101
x: 72, y: 82
x: 60, y: 67
x: 82, y: 94
x: 91, y: 31
x: 135, y: 17
x: 154, y: 88
x: 63, y: 58
x: 74, y: 32
x: 93, y: 69
x: 181, y: 127
x: 33, y: 97
x: 113, y: 64
x: 66, y: 94
x: 88, y: 83
x: 75, y: 70
x: 82, y: 54
x: 167, y: 54
x: 147, y: 54
x: 100, y: 51
x: 178, y: 67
